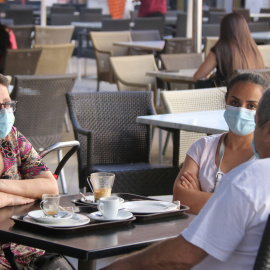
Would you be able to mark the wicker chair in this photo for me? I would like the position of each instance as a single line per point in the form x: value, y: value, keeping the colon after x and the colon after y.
x: 21, y: 16
x: 181, y: 25
x: 104, y: 49
x: 115, y: 25
x: 21, y: 62
x: 41, y: 108
x: 64, y: 19
x: 149, y: 23
x: 262, y: 261
x: 265, y: 52
x: 216, y: 17
x: 112, y: 141
x: 210, y: 30
x: 130, y: 73
x: 245, y: 12
x: 90, y: 17
x: 258, y: 27
x: 209, y: 43
x: 265, y: 72
x: 7, y: 22
x: 53, y: 34
x: 144, y: 35
x: 24, y: 35
x: 175, y: 62
x: 189, y: 101
x: 54, y: 58
x: 178, y: 45
x: 68, y: 10
x: 264, y: 10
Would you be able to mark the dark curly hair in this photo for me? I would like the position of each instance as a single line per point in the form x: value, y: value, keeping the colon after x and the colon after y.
x: 4, y: 39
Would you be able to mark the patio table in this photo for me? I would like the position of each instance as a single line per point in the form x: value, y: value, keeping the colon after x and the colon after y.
x: 209, y: 122
x: 92, y: 245
x: 261, y: 36
x: 182, y: 76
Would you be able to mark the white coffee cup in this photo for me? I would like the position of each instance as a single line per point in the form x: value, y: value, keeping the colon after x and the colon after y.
x: 108, y: 206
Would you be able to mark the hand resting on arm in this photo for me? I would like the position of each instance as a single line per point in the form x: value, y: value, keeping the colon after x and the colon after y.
x: 12, y: 200
x: 187, y: 187
x: 31, y: 188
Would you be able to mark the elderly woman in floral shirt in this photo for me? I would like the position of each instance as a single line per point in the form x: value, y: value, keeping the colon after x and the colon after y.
x: 24, y: 176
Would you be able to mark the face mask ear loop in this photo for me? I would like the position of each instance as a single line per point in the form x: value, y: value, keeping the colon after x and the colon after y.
x: 219, y: 174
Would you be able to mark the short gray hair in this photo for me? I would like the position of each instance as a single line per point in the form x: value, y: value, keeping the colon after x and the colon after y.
x: 263, y: 111
x: 4, y: 81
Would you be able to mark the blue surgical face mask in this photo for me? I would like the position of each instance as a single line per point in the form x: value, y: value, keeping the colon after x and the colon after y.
x: 6, y: 122
x: 254, y: 149
x: 240, y: 120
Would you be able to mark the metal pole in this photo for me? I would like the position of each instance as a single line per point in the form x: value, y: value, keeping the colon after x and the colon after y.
x: 189, y: 18
x: 197, y: 25
x: 43, y: 13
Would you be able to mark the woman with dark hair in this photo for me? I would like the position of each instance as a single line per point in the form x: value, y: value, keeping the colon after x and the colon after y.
x: 7, y: 41
x: 211, y: 157
x: 235, y: 49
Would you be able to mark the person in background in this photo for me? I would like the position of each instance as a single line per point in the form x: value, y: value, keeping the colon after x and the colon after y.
x: 227, y: 232
x: 152, y: 8
x: 212, y: 157
x: 24, y: 176
x: 235, y: 49
x: 7, y: 41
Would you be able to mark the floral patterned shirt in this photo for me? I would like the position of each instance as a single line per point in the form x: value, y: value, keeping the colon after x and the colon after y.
x: 21, y: 161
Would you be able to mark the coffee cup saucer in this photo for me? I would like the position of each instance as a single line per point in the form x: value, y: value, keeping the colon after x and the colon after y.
x: 121, y: 215
x: 39, y: 216
x: 91, y: 200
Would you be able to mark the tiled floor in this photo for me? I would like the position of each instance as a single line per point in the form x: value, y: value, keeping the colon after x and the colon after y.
x: 88, y: 84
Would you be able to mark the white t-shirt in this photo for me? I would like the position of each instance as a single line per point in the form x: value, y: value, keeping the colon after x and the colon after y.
x: 230, y: 226
x: 203, y: 152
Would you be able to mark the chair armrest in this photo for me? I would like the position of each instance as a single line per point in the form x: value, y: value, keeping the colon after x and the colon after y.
x: 170, y: 28
x: 74, y: 144
x: 147, y: 86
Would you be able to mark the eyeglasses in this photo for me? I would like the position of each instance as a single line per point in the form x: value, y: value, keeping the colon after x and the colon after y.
x: 9, y: 105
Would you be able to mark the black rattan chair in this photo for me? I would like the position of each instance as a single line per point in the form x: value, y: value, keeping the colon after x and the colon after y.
x: 262, y: 261
x: 24, y: 35
x: 112, y: 141
x: 115, y: 25
x: 21, y: 62
x: 150, y: 23
x: 41, y: 108
x: 21, y: 16
x: 178, y: 45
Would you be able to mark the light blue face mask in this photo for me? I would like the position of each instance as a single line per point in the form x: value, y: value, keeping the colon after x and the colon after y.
x: 240, y: 120
x: 6, y: 122
x: 254, y: 149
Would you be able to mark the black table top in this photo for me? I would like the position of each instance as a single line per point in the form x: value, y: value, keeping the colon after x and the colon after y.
x: 92, y: 244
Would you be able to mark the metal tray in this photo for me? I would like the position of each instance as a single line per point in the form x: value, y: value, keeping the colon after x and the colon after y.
x: 93, y: 225
x: 141, y: 217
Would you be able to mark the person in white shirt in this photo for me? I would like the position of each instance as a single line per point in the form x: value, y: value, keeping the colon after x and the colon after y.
x: 227, y: 232
x: 212, y: 157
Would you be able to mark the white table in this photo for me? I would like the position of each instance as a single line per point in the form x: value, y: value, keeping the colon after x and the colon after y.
x: 210, y: 122
x: 182, y: 76
x: 156, y: 45
x: 261, y: 36
x: 260, y: 15
x: 93, y: 25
